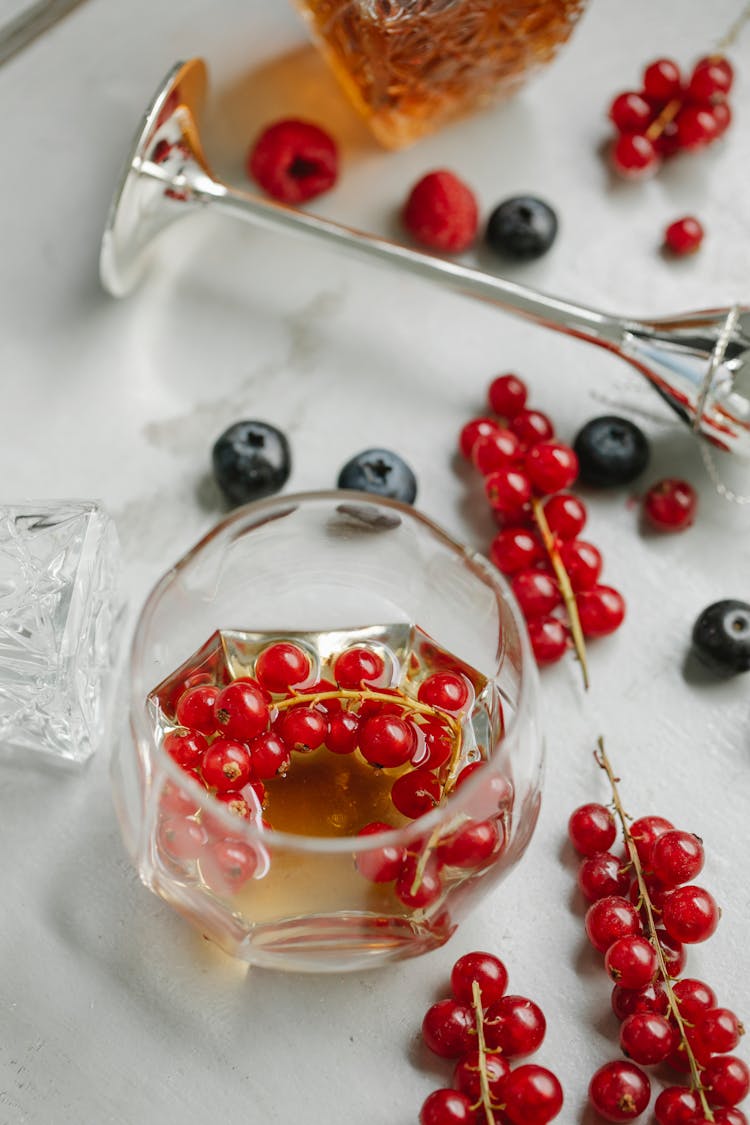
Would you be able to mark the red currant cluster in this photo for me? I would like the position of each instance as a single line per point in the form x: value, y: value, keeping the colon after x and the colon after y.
x: 670, y: 114
x: 644, y: 910
x: 538, y: 546
x: 483, y: 1028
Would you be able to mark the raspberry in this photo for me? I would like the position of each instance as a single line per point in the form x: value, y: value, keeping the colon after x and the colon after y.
x: 441, y: 213
x: 294, y: 161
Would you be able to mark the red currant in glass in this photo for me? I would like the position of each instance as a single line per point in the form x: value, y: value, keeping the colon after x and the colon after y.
x: 370, y: 707
x: 676, y: 857
x: 466, y: 1076
x: 386, y: 741
x: 609, y: 919
x: 476, y: 428
x: 174, y: 801
x: 532, y: 1095
x: 583, y: 563
x: 662, y: 81
x: 379, y: 865
x: 488, y: 971
x: 676, y: 1105
x: 670, y: 505
x: 357, y: 667
x: 235, y: 804
x: 495, y: 451
x: 438, y: 746
x: 303, y: 728
x: 241, y: 710
x: 630, y: 112
x: 447, y: 1107
x: 719, y: 1030
x: 330, y: 706
x: 415, y: 888
x: 471, y: 845
x: 627, y: 1001
x: 281, y: 666
x: 515, y: 548
x: 634, y: 155
x: 270, y: 756
x: 647, y: 1038
x: 531, y: 427
x: 603, y: 874
x: 711, y: 79
x: 645, y: 831
x: 693, y: 997
x: 619, y: 1091
x: 566, y: 515
x: 343, y: 733
x: 601, y: 611
x: 537, y: 593
x: 507, y: 395
x: 227, y: 865
x: 591, y: 829
x: 226, y: 765
x: 690, y: 914
x: 515, y: 1026
x: 508, y: 491
x: 551, y: 467
x: 549, y: 639
x: 195, y: 708
x: 631, y: 962
x: 179, y: 838
x: 448, y: 1028
x: 444, y: 690
x: 696, y: 127
x: 186, y: 747
x: 416, y: 793
x: 683, y: 236
x: 726, y: 1080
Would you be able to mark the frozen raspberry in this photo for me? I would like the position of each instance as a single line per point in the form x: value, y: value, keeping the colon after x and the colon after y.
x: 441, y: 213
x: 294, y: 161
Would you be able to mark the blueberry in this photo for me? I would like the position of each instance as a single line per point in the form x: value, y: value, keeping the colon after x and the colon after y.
x: 251, y: 460
x: 381, y: 472
x: 611, y: 451
x: 521, y: 227
x: 721, y: 637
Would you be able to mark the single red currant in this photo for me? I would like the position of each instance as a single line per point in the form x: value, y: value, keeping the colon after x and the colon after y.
x: 438, y: 746
x: 532, y: 1095
x: 174, y: 801
x: 531, y: 427
x: 676, y: 1105
x: 627, y: 1001
x: 549, y: 639
x: 645, y: 831
x: 719, y: 1030
x: 448, y: 1028
x: 662, y: 81
x: 619, y: 1091
x: 514, y: 1026
x: 647, y: 1038
x: 418, y: 884
x: 466, y: 1076
x: 670, y: 505
x: 723, y: 117
x: 270, y: 756
x: 235, y: 804
x: 476, y: 428
x: 494, y: 451
x: 631, y: 962
x: 711, y: 79
x: 683, y: 236
x: 227, y: 865
x: 551, y: 467
x: 601, y: 611
x: 726, y: 1080
x: 603, y: 874
x: 676, y: 857
x: 673, y: 952
x: 241, y: 710
x: 343, y: 733
x: 386, y: 741
x: 444, y: 690
x: 186, y: 747
x: 634, y: 155
x: 226, y: 765
x: 536, y: 592
x: 471, y: 845
x: 591, y: 829
x: 321, y: 687
x: 416, y: 793
x: 508, y: 491
x: 281, y: 666
x: 726, y: 1115
x: 694, y: 998
x: 690, y: 914
x: 370, y: 707
x: 195, y: 708
x: 179, y: 838
x: 487, y: 970
x: 609, y: 919
x: 357, y: 667
x: 696, y: 127
x: 303, y: 728
x: 507, y: 395
x: 379, y: 865
x: 630, y: 113
x: 447, y: 1107
x: 515, y: 549
x: 583, y: 563
x: 565, y: 514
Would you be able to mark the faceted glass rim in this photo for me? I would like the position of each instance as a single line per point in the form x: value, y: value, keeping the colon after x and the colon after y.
x: 244, y: 519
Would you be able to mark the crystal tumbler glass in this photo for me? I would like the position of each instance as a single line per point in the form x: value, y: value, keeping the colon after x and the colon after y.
x: 295, y: 886
x: 411, y: 65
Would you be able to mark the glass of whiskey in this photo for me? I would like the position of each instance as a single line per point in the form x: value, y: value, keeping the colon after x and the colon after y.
x: 410, y: 66
x: 319, y: 665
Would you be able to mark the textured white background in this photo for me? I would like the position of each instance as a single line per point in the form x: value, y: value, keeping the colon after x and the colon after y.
x: 111, y: 1010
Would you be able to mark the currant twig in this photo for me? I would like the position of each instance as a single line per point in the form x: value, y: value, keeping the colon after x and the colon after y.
x: 645, y: 899
x: 728, y: 39
x: 312, y: 698
x: 484, y: 1084
x: 566, y: 589
x: 666, y: 117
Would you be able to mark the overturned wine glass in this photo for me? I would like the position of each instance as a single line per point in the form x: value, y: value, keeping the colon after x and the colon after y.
x: 698, y: 362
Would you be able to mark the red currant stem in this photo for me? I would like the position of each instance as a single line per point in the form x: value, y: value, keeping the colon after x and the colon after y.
x: 566, y: 589
x: 312, y: 698
x: 432, y: 842
x: 484, y: 1082
x: 667, y: 115
x: 604, y: 762
x: 730, y: 36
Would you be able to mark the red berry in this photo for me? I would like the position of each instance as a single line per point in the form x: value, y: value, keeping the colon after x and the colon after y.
x: 566, y: 515
x: 343, y: 733
x: 515, y: 1026
x: 195, y: 708
x: 438, y: 746
x: 609, y: 919
x: 549, y: 639
x: 670, y: 505
x: 719, y: 1030
x: 726, y: 1115
x: 693, y: 997
x: 603, y: 874
x: 723, y: 117
x: 186, y: 747
x: 655, y: 891
x: 487, y: 970
x: 676, y: 857
x: 358, y: 667
x: 226, y: 765
x: 515, y: 549
x: 711, y: 80
x: 537, y: 593
x: 508, y: 491
x: 683, y: 236
x: 379, y: 865
x: 507, y: 395
x: 270, y: 756
x: 583, y: 563
x: 690, y: 914
x: 662, y: 81
x: 532, y: 1095
x: 294, y: 161
x: 619, y: 1091
x: 281, y: 666
x: 419, y: 890
x: 386, y: 741
x: 591, y: 829
x: 447, y: 1107
x: 227, y: 865
x: 647, y: 1038
x: 174, y: 801
x: 696, y: 127
x: 627, y: 1001
x: 726, y: 1080
x: 476, y: 428
x: 444, y: 690
x: 466, y: 1076
x: 448, y: 1028
x: 370, y: 707
x: 645, y: 831
x: 179, y: 838
x: 303, y: 728
x: 494, y: 451
x: 676, y: 1106
x: 673, y: 952
x: 531, y: 427
x: 601, y: 610
x: 634, y: 155
x: 241, y: 710
x: 330, y: 706
x: 235, y: 804
x: 441, y: 213
x: 416, y: 793
x: 551, y: 467
x: 471, y: 845
x: 631, y: 962
x: 630, y: 112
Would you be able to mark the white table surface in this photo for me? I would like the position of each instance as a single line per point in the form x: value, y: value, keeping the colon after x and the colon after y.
x: 110, y: 1010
